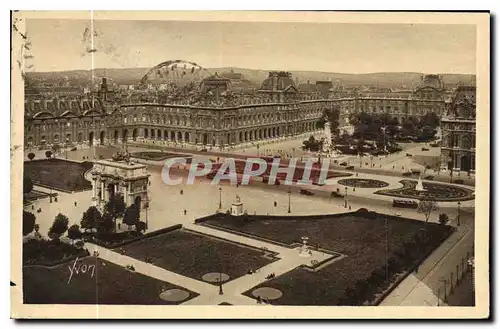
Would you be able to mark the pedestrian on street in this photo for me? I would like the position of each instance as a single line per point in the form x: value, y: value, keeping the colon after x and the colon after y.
x: 185, y: 212
x: 75, y: 203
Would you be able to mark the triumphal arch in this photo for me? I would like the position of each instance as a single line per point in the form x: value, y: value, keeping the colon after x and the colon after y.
x: 120, y: 176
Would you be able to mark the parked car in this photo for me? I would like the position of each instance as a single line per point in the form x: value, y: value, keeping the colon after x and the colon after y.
x: 408, y: 174
x: 349, y: 167
x: 409, y: 154
x: 436, y: 144
x: 425, y: 149
x: 343, y: 163
x: 430, y: 177
x: 73, y: 149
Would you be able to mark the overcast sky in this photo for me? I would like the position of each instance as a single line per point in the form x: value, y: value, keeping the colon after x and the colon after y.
x: 59, y: 45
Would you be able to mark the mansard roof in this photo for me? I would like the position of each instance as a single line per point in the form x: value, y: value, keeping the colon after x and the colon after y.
x: 62, y: 107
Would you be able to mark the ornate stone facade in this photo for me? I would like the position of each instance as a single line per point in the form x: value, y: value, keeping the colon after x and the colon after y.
x: 64, y: 120
x: 217, y: 127
x: 458, y: 126
x: 212, y: 114
x: 127, y: 179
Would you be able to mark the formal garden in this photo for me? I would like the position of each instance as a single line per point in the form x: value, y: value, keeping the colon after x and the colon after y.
x: 59, y: 174
x: 92, y: 280
x: 359, y: 278
x: 376, y: 133
x: 432, y: 191
x: 363, y: 183
x: 197, y: 256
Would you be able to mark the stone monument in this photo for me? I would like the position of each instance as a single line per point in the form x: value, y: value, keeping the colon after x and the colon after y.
x: 304, y: 249
x: 420, y: 186
x: 237, y: 207
x: 120, y: 176
x: 327, y: 151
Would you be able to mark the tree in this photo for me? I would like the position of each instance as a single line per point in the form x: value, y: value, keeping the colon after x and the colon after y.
x: 131, y: 216
x: 56, y: 148
x: 426, y: 133
x: 115, y: 206
x: 48, y: 154
x: 107, y: 223
x: 90, y: 218
x: 59, y: 226
x: 74, y: 232
x: 429, y: 119
x: 27, y: 185
x: 312, y: 144
x: 31, y: 156
x: 29, y: 220
x: 141, y: 226
x: 426, y: 207
x: 443, y: 219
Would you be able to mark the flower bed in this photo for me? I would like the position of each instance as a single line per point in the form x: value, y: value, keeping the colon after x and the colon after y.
x: 363, y: 183
x: 432, y: 191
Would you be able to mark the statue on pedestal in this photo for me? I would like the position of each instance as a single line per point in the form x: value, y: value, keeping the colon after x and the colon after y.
x: 420, y: 186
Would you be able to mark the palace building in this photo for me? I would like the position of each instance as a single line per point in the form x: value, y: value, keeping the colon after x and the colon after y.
x: 458, y: 126
x: 212, y: 113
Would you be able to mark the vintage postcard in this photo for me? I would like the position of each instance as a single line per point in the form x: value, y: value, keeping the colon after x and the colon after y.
x: 250, y: 165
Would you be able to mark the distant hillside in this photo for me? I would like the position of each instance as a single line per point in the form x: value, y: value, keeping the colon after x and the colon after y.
x: 134, y: 75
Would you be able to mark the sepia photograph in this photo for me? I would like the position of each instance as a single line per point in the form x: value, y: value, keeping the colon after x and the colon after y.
x: 284, y: 164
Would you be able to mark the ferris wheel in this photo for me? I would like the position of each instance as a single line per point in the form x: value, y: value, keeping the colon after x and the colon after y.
x: 176, y: 72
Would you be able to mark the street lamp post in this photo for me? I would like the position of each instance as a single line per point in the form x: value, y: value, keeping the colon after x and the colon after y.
x: 220, y: 198
x: 147, y: 207
x: 66, y: 148
x: 221, y: 292
x: 345, y: 198
x: 444, y: 281
x: 289, y: 197
x: 383, y: 131
x: 458, y: 213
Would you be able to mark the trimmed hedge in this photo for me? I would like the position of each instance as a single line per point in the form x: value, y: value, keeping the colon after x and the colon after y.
x: 116, y: 240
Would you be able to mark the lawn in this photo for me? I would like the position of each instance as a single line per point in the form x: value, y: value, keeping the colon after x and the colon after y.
x: 193, y: 255
x: 156, y: 156
x: 359, y: 236
x: 59, y: 174
x: 110, y: 284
